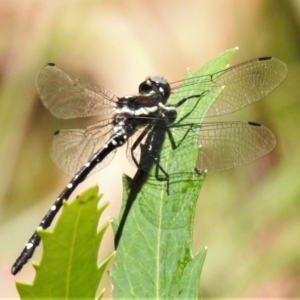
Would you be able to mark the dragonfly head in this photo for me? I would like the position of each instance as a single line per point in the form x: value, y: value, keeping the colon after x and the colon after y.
x: 155, y: 85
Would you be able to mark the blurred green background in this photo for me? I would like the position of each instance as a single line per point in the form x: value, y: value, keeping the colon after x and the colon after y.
x: 249, y: 217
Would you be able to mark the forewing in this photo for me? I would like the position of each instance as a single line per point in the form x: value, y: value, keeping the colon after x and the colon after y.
x: 67, y: 96
x: 234, y: 87
x: 72, y: 149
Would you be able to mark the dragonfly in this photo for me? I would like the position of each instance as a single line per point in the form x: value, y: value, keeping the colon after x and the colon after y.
x: 131, y: 119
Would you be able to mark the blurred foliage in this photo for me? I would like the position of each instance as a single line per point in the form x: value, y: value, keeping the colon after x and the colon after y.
x: 248, y: 217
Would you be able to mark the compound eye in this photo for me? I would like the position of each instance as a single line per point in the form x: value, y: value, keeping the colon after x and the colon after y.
x: 146, y: 87
x: 163, y: 87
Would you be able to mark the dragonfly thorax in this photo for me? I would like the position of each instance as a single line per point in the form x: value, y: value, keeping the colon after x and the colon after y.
x: 153, y: 94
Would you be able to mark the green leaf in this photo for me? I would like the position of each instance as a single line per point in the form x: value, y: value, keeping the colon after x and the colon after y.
x: 154, y: 258
x: 68, y: 268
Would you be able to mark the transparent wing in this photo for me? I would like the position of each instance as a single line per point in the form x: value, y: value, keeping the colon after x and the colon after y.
x: 235, y: 87
x: 72, y: 149
x: 230, y: 144
x: 222, y: 146
x: 67, y: 96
